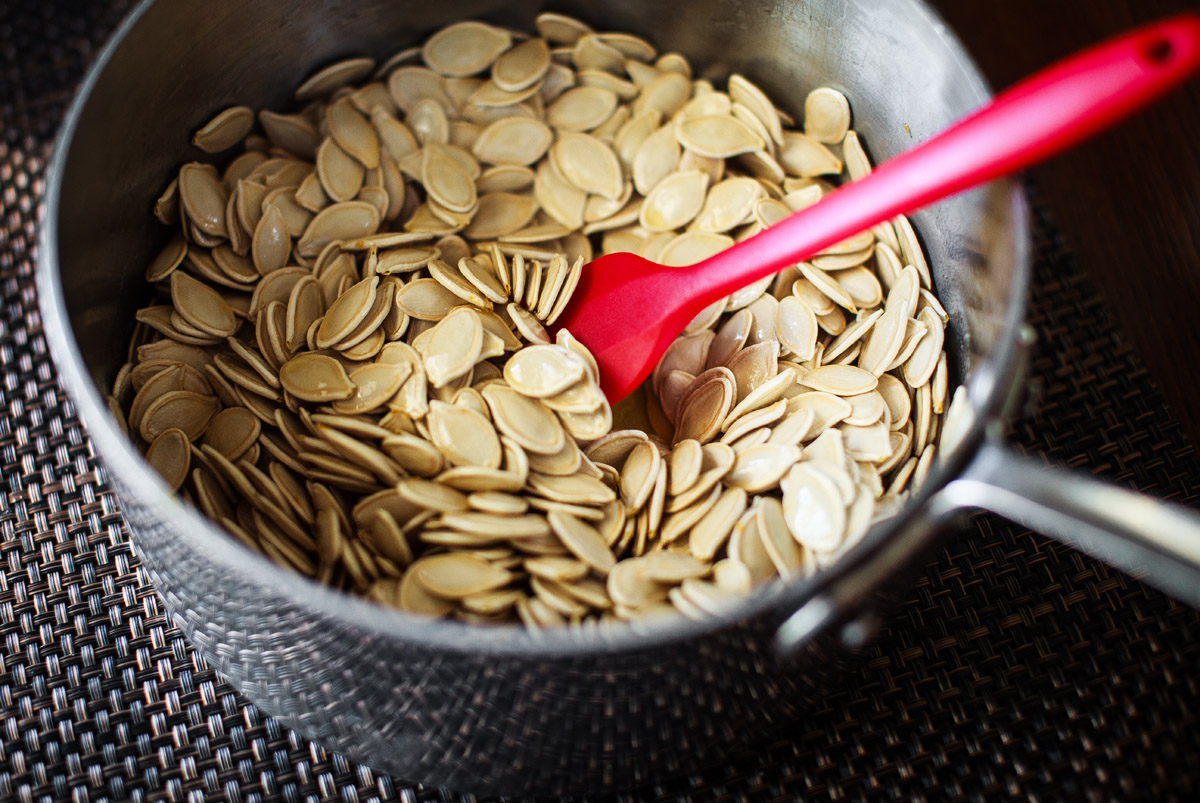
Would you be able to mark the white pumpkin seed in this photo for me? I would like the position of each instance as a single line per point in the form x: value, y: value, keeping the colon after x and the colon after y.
x: 588, y: 164
x: 333, y: 77
x: 465, y: 48
x: 202, y: 197
x: 826, y: 115
x: 453, y: 346
x: 813, y: 508
x: 718, y: 137
x: 513, y: 141
x: 170, y: 456
x: 225, y: 130
x: 674, y: 201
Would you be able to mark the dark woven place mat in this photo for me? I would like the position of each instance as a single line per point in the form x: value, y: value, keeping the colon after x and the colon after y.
x: 1016, y: 668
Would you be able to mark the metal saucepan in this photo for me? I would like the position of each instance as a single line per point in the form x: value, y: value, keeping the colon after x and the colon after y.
x: 497, y: 709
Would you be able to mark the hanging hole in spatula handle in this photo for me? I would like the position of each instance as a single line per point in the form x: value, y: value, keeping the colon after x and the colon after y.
x: 1158, y: 51
x: 1173, y: 43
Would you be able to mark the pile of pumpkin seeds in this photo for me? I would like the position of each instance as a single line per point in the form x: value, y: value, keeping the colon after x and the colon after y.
x: 348, y: 362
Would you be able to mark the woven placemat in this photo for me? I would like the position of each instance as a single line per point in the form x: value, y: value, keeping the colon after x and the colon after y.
x: 1016, y: 668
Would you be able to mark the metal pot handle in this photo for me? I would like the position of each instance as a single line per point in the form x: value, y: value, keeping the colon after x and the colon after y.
x: 1154, y: 541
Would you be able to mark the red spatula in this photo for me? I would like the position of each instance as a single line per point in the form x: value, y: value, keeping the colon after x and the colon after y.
x: 627, y: 310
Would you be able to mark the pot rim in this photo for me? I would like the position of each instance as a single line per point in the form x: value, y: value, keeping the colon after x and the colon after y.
x: 119, y: 456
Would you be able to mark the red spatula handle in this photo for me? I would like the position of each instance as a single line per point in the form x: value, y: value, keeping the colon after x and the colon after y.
x: 1035, y: 119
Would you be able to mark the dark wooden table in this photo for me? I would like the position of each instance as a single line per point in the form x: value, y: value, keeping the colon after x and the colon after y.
x: 1129, y: 201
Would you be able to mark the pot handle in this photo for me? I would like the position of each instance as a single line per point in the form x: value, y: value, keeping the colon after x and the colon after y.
x: 1154, y: 541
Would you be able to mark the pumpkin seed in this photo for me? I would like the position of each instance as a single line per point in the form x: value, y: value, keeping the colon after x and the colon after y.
x: 713, y: 530
x: 587, y: 164
x: 170, y: 456
x: 703, y: 408
x: 920, y: 366
x: 674, y: 201
x: 232, y: 432
x: 694, y: 246
x: 802, y: 155
x: 718, y: 136
x: 813, y: 508
x: 374, y: 385
x: 729, y: 203
x: 732, y: 576
x: 446, y: 181
x: 463, y: 436
x: 349, y: 310
x: 742, y: 91
x: 316, y: 378
x: 583, y: 541
x: 747, y: 550
x: 499, y: 214
x: 429, y: 124
x: 353, y: 132
x: 560, y: 29
x: 503, y: 177
x: 581, y: 108
x: 796, y: 325
x: 349, y: 220
x: 168, y: 259
x: 522, y: 66
x: 759, y: 468
x: 857, y: 164
x: 513, y: 141
x: 887, y: 335
x: 333, y: 77
x: 201, y: 306
x: 541, y: 371
x: 667, y: 93
x: 627, y: 585
x: 707, y: 597
x: 166, y: 208
x: 225, y: 130
x: 910, y: 248
x: 654, y: 159
x: 453, y: 346
x: 178, y: 409
x: 527, y: 421
x: 202, y: 198
x: 341, y: 177
x: 293, y: 133
x: 519, y: 528
x: 465, y: 48
x: 426, y: 299
x: 826, y: 115
x: 414, y: 454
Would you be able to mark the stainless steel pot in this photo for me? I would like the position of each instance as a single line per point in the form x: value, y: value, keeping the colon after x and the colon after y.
x: 501, y: 710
